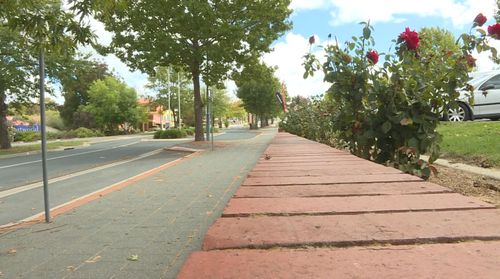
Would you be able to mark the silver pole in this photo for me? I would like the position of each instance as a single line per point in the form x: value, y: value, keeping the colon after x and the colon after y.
x: 168, y: 86
x: 44, y: 135
x: 208, y: 115
x: 211, y: 112
x: 179, y: 98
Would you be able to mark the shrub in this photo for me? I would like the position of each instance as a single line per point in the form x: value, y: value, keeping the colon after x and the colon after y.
x: 170, y: 134
x: 84, y: 133
x: 54, y: 120
x: 388, y: 113
x: 26, y: 136
x: 189, y: 131
x: 55, y: 135
x: 226, y: 123
x: 80, y: 133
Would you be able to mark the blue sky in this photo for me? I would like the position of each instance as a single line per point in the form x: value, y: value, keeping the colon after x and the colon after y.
x: 341, y: 18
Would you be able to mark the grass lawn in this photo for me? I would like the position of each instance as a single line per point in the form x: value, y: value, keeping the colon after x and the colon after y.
x: 35, y: 147
x: 472, y: 141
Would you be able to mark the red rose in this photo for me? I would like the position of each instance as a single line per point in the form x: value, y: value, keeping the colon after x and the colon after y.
x: 312, y: 40
x: 372, y: 56
x: 480, y: 20
x: 494, y: 31
x: 410, y: 38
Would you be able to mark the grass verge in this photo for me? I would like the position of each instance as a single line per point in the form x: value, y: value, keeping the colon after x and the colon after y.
x: 476, y: 142
x: 36, y: 147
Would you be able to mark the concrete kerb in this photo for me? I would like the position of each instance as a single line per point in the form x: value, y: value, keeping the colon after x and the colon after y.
x: 493, y: 173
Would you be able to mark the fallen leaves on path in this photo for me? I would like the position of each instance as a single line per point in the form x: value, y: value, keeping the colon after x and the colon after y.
x: 93, y: 260
x: 133, y: 258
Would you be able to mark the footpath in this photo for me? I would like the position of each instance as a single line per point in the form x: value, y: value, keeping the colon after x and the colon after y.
x: 144, y: 229
x: 310, y: 211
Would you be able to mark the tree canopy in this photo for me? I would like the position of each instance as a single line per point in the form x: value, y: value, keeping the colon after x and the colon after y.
x: 257, y: 87
x: 75, y: 82
x: 165, y: 82
x: 206, y: 38
x: 112, y: 103
x: 29, y: 28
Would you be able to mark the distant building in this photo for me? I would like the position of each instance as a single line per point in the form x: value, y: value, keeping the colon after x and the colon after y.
x: 158, y: 117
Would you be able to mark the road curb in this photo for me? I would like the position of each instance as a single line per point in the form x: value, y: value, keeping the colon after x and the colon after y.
x: 492, y: 173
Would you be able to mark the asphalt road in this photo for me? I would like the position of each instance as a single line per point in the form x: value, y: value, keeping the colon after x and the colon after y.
x: 74, y: 173
x: 77, y: 172
x: 22, y: 170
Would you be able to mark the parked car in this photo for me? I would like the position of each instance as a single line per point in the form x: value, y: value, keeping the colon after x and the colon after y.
x: 486, y: 99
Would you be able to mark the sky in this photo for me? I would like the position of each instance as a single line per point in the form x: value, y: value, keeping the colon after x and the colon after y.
x: 341, y: 19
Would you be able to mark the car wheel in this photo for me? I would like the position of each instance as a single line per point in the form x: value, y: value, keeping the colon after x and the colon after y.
x: 459, y: 113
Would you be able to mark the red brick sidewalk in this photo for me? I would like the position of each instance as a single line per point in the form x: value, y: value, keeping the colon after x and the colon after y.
x: 311, y: 211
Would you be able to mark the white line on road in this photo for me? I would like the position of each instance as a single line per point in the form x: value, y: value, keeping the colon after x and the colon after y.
x: 69, y: 155
x: 17, y: 190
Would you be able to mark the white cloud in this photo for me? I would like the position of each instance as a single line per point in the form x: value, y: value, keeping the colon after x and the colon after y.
x: 298, y: 5
x: 484, y: 62
x: 459, y: 12
x: 288, y: 56
x: 134, y: 79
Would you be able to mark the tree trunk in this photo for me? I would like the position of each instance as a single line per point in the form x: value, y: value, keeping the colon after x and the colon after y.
x: 4, y: 128
x: 198, y: 117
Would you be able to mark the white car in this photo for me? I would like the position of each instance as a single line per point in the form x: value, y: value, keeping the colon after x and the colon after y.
x: 486, y: 99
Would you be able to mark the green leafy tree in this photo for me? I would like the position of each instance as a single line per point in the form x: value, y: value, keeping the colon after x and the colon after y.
x: 206, y: 38
x: 257, y: 87
x: 16, y: 65
x: 113, y: 104
x: 165, y: 82
x: 220, y: 106
x: 436, y: 41
x: 236, y: 110
x: 80, y: 75
x: 28, y: 29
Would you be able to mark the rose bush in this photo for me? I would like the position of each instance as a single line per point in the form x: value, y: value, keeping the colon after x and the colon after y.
x: 389, y: 114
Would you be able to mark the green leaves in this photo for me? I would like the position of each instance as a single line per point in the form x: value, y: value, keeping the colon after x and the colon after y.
x: 389, y: 114
x: 367, y: 32
x: 112, y: 103
x: 386, y: 127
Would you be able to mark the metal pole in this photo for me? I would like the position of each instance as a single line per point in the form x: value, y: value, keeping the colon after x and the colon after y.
x: 168, y: 86
x: 211, y: 112
x: 179, y: 98
x: 208, y: 116
x: 44, y: 135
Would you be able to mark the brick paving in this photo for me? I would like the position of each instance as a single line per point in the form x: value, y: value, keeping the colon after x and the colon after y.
x: 309, y: 211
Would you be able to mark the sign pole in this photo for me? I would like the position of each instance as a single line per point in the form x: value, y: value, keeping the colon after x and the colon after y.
x: 44, y: 135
